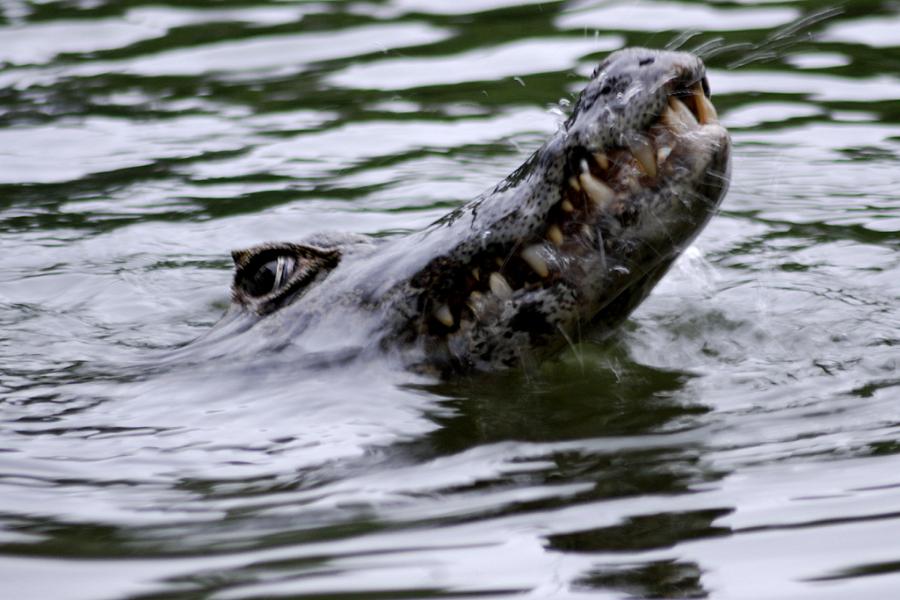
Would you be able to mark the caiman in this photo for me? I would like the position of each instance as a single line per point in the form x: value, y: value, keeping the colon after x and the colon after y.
x: 569, y: 243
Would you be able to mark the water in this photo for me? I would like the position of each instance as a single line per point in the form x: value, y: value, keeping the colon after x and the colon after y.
x: 738, y: 439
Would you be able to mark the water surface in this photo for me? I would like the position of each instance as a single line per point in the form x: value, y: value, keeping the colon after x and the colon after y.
x: 738, y: 439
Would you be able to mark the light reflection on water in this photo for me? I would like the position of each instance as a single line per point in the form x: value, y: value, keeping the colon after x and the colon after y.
x: 738, y: 439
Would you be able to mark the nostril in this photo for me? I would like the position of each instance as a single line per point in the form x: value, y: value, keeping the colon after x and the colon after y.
x: 646, y: 61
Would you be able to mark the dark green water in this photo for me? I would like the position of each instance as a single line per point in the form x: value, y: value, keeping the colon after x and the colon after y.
x: 739, y: 439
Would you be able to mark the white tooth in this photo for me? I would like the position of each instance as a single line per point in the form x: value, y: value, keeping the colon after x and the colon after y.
x: 443, y: 314
x: 532, y: 256
x: 663, y: 153
x: 500, y: 286
x: 567, y: 206
x: 705, y: 109
x: 555, y: 235
x: 476, y: 273
x: 587, y: 232
x: 573, y: 181
x: 643, y: 152
x: 584, y: 166
x: 679, y: 117
x: 602, y: 160
x: 599, y: 193
x: 672, y: 119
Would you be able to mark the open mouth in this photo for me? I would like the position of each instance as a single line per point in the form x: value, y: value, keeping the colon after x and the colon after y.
x: 596, y: 201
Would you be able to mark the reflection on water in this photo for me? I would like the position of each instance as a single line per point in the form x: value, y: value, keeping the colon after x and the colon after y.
x: 674, y: 16
x: 738, y: 439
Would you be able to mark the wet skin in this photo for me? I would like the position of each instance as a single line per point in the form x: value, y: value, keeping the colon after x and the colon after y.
x: 569, y: 243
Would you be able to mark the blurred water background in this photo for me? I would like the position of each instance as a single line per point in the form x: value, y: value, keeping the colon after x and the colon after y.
x: 739, y: 439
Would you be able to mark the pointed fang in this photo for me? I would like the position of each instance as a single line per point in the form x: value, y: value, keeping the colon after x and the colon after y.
x: 443, y: 314
x: 588, y: 233
x: 678, y: 116
x: 500, y: 286
x: 599, y: 193
x: 663, y: 154
x: 555, y: 235
x: 643, y: 152
x: 705, y: 109
x: 532, y: 256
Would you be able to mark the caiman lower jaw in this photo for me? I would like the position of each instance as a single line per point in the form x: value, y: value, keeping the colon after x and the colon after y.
x: 599, y: 188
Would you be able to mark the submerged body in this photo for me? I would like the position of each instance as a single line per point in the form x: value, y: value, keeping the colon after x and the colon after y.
x: 571, y: 242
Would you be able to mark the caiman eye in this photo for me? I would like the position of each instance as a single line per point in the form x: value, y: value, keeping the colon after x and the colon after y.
x: 270, y: 276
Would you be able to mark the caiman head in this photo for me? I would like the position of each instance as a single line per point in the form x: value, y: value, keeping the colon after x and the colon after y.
x: 569, y: 243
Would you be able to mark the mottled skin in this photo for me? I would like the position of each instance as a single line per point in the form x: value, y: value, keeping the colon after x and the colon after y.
x: 413, y: 295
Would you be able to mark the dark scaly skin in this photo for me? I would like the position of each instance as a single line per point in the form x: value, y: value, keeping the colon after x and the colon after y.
x: 413, y: 295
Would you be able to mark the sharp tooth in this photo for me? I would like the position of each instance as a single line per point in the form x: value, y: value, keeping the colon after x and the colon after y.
x: 643, y: 152
x: 443, y: 314
x: 587, y: 232
x: 602, y: 160
x: 555, y: 235
x: 500, y: 286
x: 476, y: 273
x: 567, y: 206
x: 532, y: 256
x: 663, y: 153
x: 705, y: 109
x: 678, y: 116
x: 672, y: 119
x: 599, y: 193
x: 573, y: 181
x: 686, y: 111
